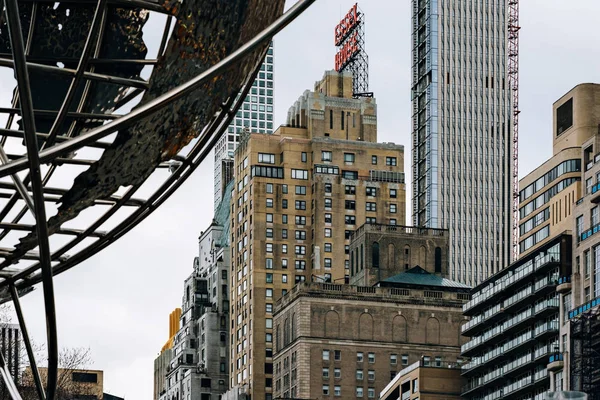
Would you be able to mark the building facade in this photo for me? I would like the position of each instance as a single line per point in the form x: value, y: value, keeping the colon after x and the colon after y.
x: 349, y: 342
x: 10, y: 345
x: 378, y: 252
x: 255, y: 114
x: 71, y: 383
x: 514, y: 325
x: 425, y: 381
x: 199, y: 365
x: 299, y: 194
x: 462, y: 132
x: 161, y: 363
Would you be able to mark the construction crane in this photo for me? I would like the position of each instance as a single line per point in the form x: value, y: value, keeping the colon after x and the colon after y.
x: 513, y: 83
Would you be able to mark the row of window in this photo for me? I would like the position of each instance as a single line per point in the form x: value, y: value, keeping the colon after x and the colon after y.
x: 328, y: 202
x: 328, y: 218
x: 300, y: 190
x: 337, y: 391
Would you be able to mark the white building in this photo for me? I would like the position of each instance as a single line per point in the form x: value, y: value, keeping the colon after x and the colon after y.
x: 462, y: 131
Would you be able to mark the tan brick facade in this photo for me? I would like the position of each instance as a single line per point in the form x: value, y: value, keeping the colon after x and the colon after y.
x: 298, y: 195
x: 390, y: 328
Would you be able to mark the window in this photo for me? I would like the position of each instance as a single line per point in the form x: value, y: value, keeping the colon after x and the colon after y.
x: 301, y: 190
x: 371, y: 358
x: 269, y: 247
x: 300, y: 250
x: 328, y: 247
x: 359, y: 391
x: 284, y: 234
x: 350, y: 205
x: 284, y: 219
x: 586, y: 263
x: 337, y: 355
x: 326, y: 156
x: 325, y: 355
x: 269, y: 278
x: 269, y: 307
x: 374, y: 160
x: 393, y: 193
x: 426, y: 361
x: 359, y: 357
x: 328, y: 187
x: 393, y: 359
x: 269, y: 323
x: 325, y: 390
x: 328, y: 232
x: 392, y: 221
x: 328, y: 218
x: 269, y: 188
x: 300, y: 205
x: 300, y: 278
x: 300, y: 264
x: 300, y: 220
x: 404, y: 359
x: 300, y: 235
x: 371, y: 393
x: 284, y: 278
x: 595, y: 216
x: 337, y: 390
x: 587, y: 294
x: 350, y: 190
x: 284, y: 248
x: 284, y: 263
x: 327, y: 263
x: 299, y: 174
x: 266, y: 158
x: 371, y: 191
x: 393, y: 208
x: 284, y: 189
x: 303, y: 157
x: 371, y: 375
x: 269, y: 203
x: 359, y: 374
x: 350, y: 220
x: 371, y: 206
x: 415, y: 385
x: 350, y: 175
x: 269, y: 293
x: 438, y: 361
x: 371, y: 220
x: 337, y: 373
x: 588, y: 185
x: 392, y: 161
x: 349, y: 157
x: 269, y: 218
x: 325, y: 373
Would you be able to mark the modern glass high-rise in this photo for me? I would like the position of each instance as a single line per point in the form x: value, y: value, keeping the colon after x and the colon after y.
x: 256, y: 114
x: 462, y: 131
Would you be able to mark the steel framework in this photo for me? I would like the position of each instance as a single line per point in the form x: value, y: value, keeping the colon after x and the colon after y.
x: 359, y: 63
x: 513, y: 83
x: 82, y: 114
x: 585, y: 353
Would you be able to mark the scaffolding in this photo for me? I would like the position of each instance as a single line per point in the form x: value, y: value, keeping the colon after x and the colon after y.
x: 585, y: 353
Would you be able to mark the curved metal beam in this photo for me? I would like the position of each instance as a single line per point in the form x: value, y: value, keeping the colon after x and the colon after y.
x: 161, y: 101
x: 28, y: 120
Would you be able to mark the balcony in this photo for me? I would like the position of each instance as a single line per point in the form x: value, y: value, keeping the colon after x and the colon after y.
x: 476, y: 363
x: 556, y: 362
x: 540, y: 375
x: 547, y: 307
x: 513, y: 368
x: 518, y: 321
x: 480, y: 300
x: 520, y: 343
x: 541, y: 353
x: 546, y: 285
x: 517, y: 299
x: 546, y: 261
x: 546, y: 329
x: 476, y: 324
x: 564, y: 284
x: 468, y: 348
x: 584, y: 307
x: 590, y: 232
x: 517, y: 387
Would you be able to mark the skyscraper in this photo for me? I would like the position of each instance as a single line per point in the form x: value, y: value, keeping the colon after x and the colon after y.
x: 256, y: 114
x: 462, y: 131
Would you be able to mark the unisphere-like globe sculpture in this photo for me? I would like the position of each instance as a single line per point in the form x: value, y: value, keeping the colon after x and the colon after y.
x: 97, y: 133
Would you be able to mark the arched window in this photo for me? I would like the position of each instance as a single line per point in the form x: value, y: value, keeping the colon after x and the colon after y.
x: 375, y: 255
x: 438, y: 259
x: 187, y: 293
x: 352, y: 262
x: 362, y: 258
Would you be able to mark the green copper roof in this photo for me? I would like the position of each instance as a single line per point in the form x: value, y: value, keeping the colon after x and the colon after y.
x: 418, y: 276
x: 222, y: 215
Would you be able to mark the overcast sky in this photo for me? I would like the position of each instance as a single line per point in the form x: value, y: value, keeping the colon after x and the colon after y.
x: 118, y: 302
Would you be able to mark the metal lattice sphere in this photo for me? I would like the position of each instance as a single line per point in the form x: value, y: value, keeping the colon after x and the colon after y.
x: 97, y: 132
